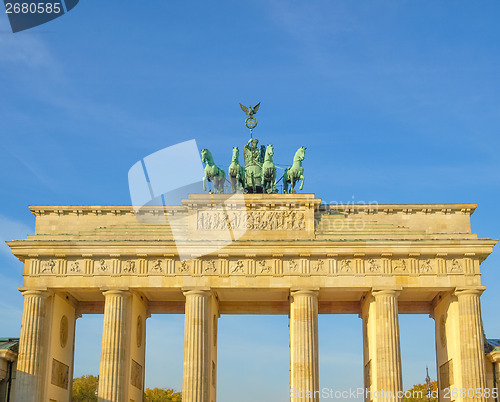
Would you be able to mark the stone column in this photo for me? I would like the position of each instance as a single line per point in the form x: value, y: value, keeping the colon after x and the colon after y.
x: 113, y: 381
x: 471, y: 341
x: 388, y: 351
x: 31, y: 368
x: 196, y: 374
x: 304, y: 361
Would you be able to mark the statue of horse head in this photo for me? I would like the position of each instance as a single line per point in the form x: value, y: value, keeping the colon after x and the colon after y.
x: 206, y: 156
x: 269, y: 152
x: 236, y: 154
x: 300, y: 154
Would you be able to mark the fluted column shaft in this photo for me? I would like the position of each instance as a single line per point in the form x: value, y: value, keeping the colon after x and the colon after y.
x: 113, y: 384
x: 30, y: 365
x: 196, y: 375
x: 471, y: 341
x: 388, y: 351
x: 304, y: 361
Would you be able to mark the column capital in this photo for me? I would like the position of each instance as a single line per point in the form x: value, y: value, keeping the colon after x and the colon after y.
x: 494, y: 356
x: 477, y: 291
x: 304, y: 291
x: 115, y: 291
x: 391, y: 291
x: 34, y: 292
x: 197, y: 291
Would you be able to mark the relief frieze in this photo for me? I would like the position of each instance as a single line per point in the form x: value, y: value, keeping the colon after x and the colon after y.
x: 252, y: 266
x: 251, y: 220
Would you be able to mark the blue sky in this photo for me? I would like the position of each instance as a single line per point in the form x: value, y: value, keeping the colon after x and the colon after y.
x: 397, y: 102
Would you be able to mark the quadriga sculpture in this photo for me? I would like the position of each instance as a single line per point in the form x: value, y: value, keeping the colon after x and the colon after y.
x: 212, y: 173
x: 295, y: 172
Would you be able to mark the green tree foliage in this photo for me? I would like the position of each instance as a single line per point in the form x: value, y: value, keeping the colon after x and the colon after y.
x: 162, y: 395
x: 84, y: 389
x: 421, y: 389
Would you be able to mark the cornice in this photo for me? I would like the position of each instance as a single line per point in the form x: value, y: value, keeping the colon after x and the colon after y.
x: 77, y: 210
x: 477, y: 248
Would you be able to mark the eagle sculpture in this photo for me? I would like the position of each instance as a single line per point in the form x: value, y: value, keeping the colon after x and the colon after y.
x: 250, y: 111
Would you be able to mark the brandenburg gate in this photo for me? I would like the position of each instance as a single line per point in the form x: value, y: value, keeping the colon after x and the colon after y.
x: 255, y: 254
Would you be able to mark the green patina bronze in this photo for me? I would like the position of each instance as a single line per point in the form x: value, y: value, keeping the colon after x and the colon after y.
x: 259, y: 173
x: 269, y: 171
x: 212, y: 173
x: 250, y: 121
x: 295, y: 172
x: 236, y: 172
x: 253, y: 166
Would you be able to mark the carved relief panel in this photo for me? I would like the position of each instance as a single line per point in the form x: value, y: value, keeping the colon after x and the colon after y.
x: 210, y: 267
x: 319, y: 267
x: 265, y: 267
x: 75, y: 267
x: 292, y: 266
x: 184, y: 267
x: 129, y: 267
x: 426, y: 266
x: 217, y: 220
x: 48, y: 266
x: 156, y: 266
x: 400, y: 266
x: 373, y: 266
x: 237, y: 267
x: 455, y: 266
x: 345, y: 266
x: 103, y: 266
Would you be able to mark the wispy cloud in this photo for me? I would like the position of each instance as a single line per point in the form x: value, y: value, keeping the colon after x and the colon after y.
x: 30, y: 61
x: 25, y: 48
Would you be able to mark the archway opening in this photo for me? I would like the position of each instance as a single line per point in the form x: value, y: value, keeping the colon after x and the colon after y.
x: 164, y: 351
x: 88, y: 340
x: 340, y: 355
x: 253, y: 358
x: 418, y: 348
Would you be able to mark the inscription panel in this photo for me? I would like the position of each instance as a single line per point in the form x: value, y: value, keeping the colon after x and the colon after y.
x: 136, y: 374
x: 60, y: 374
x: 446, y: 374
